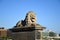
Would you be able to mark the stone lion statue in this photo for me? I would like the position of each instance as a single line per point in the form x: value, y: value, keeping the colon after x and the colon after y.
x: 30, y: 19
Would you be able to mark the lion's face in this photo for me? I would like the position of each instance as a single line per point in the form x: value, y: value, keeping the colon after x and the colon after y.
x: 30, y: 17
x: 33, y: 18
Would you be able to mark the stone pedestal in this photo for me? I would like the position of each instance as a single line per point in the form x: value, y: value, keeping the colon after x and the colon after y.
x: 27, y: 33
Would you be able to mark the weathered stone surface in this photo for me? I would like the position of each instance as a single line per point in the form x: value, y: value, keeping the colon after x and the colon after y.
x: 29, y: 20
x: 24, y: 35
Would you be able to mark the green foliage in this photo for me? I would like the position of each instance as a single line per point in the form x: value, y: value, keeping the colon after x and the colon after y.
x: 45, y: 34
x: 52, y: 34
x: 57, y: 39
x: 6, y: 37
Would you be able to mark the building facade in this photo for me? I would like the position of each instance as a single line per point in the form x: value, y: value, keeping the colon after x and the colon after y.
x: 3, y: 32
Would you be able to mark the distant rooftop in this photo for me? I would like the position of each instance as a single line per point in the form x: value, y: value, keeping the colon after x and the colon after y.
x: 1, y: 27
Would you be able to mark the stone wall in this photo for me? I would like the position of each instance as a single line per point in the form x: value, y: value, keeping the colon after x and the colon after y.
x: 24, y: 35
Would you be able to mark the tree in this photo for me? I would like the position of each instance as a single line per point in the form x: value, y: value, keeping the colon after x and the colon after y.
x: 52, y: 34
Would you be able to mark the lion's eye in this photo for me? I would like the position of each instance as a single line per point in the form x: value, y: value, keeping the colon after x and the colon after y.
x: 33, y: 18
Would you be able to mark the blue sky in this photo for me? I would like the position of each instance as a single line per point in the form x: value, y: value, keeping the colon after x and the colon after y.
x: 47, y: 12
